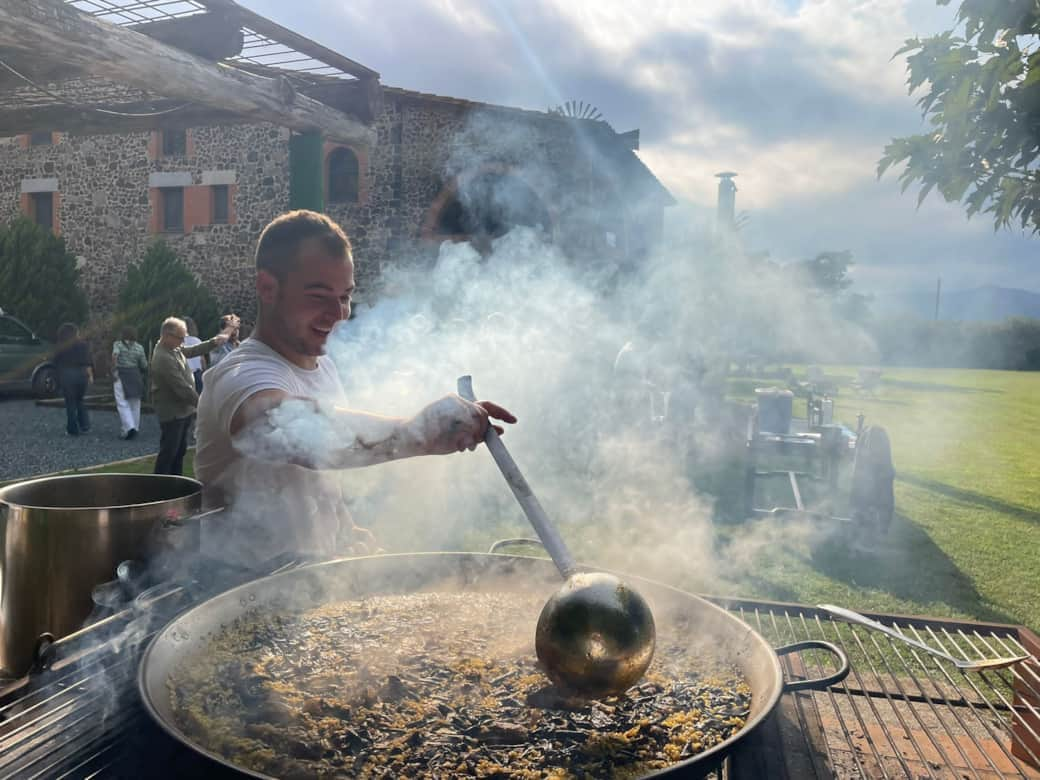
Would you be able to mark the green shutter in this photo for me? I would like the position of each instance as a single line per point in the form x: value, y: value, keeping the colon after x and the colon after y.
x: 306, y: 172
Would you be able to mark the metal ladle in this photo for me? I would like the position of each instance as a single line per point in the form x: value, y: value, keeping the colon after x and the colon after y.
x: 595, y: 636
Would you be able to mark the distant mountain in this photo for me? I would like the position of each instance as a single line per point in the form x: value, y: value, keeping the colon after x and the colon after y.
x: 983, y: 304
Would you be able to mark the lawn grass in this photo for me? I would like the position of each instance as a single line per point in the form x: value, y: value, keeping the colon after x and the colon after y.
x: 966, y: 536
x: 142, y: 465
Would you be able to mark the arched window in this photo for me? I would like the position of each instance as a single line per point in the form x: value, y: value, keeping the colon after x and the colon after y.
x: 343, y: 176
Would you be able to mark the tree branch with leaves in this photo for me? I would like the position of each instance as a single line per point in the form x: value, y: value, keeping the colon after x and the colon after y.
x: 981, y: 96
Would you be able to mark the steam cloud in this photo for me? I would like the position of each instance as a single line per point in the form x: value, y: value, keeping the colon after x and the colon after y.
x: 616, y: 380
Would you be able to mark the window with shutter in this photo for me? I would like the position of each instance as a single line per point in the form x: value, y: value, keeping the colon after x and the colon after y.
x: 343, y: 176
x: 43, y: 209
x: 221, y: 204
x: 172, y: 209
x: 174, y: 143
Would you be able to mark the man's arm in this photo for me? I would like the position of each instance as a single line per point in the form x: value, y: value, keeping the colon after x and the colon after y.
x: 274, y: 425
x: 204, y: 347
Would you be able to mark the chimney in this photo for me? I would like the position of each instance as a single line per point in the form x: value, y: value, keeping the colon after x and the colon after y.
x: 727, y: 200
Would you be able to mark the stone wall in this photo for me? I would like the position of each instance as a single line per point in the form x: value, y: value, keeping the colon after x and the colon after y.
x: 106, y: 211
x: 423, y: 143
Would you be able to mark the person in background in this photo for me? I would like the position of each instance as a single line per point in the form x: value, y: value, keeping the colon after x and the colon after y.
x: 76, y: 371
x: 129, y: 365
x: 173, y: 391
x: 225, y: 348
x: 196, y: 364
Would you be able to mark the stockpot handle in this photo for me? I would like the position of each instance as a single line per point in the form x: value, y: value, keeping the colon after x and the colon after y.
x: 501, y: 543
x: 815, y: 683
x: 174, y: 520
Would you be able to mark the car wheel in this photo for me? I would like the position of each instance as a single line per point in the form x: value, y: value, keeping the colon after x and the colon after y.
x: 45, y: 383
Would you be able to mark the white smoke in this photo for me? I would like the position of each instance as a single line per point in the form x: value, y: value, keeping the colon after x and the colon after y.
x: 609, y: 464
x: 617, y: 378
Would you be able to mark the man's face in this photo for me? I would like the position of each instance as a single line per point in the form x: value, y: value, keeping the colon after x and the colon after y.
x: 313, y: 297
x: 175, y: 339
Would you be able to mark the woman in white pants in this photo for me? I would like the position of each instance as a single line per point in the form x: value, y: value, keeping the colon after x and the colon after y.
x: 129, y: 365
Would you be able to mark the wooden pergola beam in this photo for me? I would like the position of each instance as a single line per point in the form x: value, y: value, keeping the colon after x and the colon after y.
x: 284, y: 35
x: 212, y: 36
x: 362, y: 98
x: 53, y: 30
x: 65, y: 119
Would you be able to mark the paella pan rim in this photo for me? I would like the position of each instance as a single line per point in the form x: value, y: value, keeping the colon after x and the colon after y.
x: 756, y: 647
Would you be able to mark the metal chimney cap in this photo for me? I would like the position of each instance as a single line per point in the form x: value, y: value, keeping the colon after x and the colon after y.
x: 726, y: 175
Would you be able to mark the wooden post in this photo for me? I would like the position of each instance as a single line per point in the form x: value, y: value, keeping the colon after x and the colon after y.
x: 1025, y: 743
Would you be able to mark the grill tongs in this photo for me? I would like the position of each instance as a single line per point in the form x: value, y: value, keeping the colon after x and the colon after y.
x: 964, y: 665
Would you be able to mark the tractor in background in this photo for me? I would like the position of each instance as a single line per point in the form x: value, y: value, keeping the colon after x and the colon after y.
x: 817, y: 468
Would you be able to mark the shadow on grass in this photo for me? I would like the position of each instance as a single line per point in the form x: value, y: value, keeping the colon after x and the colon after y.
x: 971, y: 497
x: 933, y: 387
x: 907, y: 564
x: 767, y: 589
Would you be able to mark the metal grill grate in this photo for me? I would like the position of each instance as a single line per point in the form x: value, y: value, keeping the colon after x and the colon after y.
x: 905, y: 713
x: 73, y: 719
x: 900, y: 713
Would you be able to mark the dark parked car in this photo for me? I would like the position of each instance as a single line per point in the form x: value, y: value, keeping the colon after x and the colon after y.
x: 25, y: 359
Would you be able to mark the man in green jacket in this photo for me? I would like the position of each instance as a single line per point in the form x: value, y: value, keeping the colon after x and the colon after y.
x: 173, y: 390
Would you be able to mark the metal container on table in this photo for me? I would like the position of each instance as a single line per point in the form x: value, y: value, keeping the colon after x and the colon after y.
x: 775, y: 409
x: 61, y: 536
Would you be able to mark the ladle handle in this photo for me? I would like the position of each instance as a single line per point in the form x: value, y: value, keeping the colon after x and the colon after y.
x: 528, y: 502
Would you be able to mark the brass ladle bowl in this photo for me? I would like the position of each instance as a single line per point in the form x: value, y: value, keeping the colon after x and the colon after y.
x: 595, y: 636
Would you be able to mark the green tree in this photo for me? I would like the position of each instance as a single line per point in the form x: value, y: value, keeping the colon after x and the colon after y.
x: 981, y: 96
x: 828, y: 272
x: 161, y: 286
x: 39, y: 281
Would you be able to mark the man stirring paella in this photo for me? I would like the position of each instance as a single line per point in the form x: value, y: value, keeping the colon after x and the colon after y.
x: 273, y: 424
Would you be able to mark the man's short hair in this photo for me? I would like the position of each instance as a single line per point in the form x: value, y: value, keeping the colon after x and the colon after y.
x: 280, y: 241
x: 172, y: 326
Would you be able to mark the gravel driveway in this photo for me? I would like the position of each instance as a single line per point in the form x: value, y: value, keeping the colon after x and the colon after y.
x: 33, y: 440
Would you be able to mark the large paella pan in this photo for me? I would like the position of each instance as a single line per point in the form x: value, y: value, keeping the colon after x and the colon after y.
x: 423, y: 665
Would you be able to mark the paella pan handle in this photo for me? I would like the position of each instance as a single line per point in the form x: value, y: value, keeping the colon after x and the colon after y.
x: 503, y: 543
x: 815, y: 683
x: 43, y: 651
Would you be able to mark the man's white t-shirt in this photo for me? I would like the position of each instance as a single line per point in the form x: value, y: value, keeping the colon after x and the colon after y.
x: 274, y: 508
x: 195, y: 363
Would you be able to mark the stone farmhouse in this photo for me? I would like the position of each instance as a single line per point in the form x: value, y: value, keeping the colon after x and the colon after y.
x: 424, y: 169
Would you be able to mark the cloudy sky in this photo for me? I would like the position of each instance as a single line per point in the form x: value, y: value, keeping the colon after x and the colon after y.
x: 799, y: 97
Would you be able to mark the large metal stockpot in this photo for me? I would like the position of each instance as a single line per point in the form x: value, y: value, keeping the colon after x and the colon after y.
x: 61, y: 536
x: 717, y: 634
